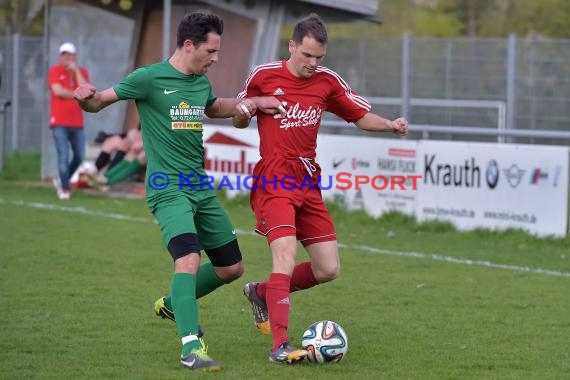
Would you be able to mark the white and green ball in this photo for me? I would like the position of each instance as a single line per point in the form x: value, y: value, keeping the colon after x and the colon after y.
x: 326, y: 342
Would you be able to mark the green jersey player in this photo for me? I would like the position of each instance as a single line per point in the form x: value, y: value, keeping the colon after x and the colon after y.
x: 172, y: 98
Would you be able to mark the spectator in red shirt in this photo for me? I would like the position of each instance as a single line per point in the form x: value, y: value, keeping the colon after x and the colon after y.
x: 66, y: 118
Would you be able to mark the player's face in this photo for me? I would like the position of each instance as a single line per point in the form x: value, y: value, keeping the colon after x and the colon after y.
x: 202, y: 56
x: 306, y: 56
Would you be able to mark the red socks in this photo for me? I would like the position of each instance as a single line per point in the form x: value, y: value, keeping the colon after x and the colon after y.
x: 303, y: 278
x: 277, y: 299
x: 276, y: 292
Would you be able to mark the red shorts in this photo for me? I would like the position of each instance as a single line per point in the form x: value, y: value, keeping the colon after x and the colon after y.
x: 286, y: 201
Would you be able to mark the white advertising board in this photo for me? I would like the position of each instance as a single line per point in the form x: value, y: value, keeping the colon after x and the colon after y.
x: 231, y: 154
x: 495, y: 186
x: 344, y: 161
x: 365, y: 172
x: 472, y: 185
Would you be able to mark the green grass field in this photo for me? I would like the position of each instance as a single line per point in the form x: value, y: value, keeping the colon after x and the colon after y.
x: 418, y: 301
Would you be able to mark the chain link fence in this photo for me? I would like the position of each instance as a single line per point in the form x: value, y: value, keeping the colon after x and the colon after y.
x: 530, y: 78
x: 105, y: 48
x: 450, y: 70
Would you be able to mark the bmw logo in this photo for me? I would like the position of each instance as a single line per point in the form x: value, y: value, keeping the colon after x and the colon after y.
x: 492, y: 174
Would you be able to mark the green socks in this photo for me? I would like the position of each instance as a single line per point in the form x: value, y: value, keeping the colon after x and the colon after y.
x: 185, y: 307
x: 207, y: 282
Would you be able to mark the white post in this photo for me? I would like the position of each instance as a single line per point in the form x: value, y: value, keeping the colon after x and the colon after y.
x: 511, y: 81
x: 15, y: 89
x: 166, y: 17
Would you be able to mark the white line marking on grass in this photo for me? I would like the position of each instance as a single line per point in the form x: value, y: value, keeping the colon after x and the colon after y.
x: 488, y: 264
x: 77, y: 210
x: 363, y: 248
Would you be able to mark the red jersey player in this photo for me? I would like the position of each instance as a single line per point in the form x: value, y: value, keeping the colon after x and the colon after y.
x: 286, y: 199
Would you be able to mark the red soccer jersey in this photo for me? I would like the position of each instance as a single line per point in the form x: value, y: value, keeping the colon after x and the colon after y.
x: 305, y: 100
x: 65, y: 112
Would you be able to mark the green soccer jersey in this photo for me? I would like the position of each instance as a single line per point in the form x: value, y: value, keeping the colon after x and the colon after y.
x: 171, y: 108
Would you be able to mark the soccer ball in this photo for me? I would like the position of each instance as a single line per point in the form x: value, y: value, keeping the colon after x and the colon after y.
x: 326, y: 342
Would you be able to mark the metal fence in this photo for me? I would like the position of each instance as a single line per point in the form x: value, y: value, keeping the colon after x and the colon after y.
x: 104, y: 47
x: 23, y: 76
x: 528, y: 76
x: 457, y: 82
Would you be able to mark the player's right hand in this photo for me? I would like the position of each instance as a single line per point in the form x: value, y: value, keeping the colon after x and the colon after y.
x: 400, y: 126
x: 84, y: 92
x: 270, y: 105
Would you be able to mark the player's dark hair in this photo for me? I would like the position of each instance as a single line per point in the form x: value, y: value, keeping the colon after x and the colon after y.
x: 310, y: 26
x: 196, y: 26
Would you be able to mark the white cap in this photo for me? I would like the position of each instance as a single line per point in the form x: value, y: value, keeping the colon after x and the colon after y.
x: 67, y: 47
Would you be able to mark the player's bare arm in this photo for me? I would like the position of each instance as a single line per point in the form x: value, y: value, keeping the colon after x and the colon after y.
x: 90, y: 100
x: 269, y: 104
x: 246, y: 107
x: 266, y: 104
x: 227, y: 107
x: 375, y: 123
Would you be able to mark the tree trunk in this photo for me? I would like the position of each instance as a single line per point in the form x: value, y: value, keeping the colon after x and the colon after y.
x: 472, y: 18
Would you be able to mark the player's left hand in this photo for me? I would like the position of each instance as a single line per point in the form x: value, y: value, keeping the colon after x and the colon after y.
x: 400, y: 126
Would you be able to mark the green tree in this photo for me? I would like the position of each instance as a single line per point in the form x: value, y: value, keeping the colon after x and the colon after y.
x: 22, y: 16
x: 548, y: 18
x: 468, y: 12
x: 499, y: 18
x: 417, y: 17
x: 476, y: 18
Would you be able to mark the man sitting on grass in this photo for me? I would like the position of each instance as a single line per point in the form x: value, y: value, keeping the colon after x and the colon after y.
x: 121, y: 158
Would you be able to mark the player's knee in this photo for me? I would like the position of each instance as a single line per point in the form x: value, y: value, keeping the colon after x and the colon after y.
x: 238, y: 272
x: 231, y: 273
x: 328, y: 273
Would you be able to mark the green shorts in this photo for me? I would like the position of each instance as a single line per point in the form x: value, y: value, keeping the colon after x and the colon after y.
x: 198, y: 212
